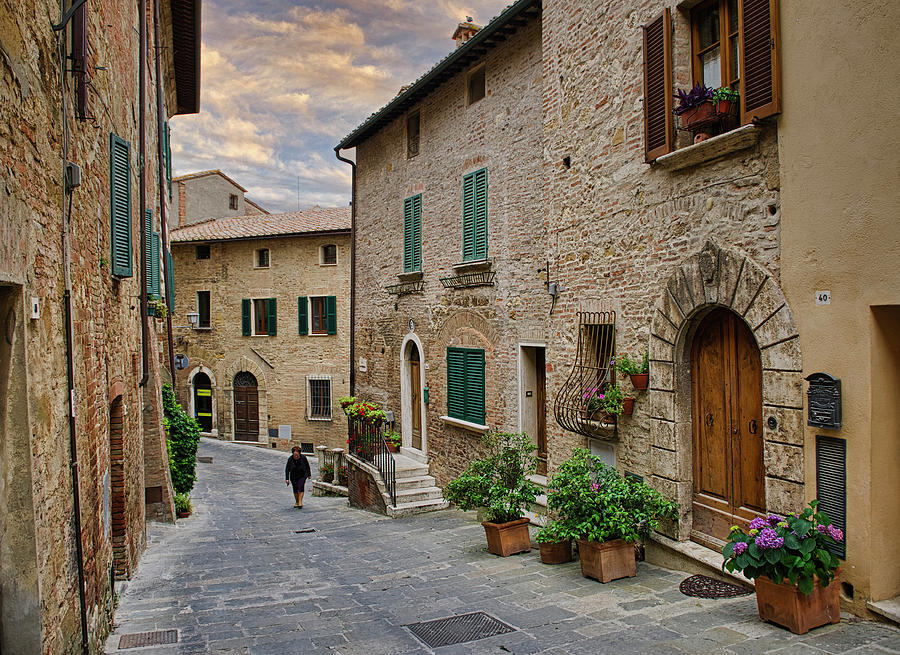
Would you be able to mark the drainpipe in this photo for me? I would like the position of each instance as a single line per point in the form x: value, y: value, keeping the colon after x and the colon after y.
x: 67, y: 309
x: 163, y: 218
x: 337, y: 153
x: 142, y: 185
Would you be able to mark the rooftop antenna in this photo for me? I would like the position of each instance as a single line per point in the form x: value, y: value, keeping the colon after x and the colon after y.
x: 298, y: 193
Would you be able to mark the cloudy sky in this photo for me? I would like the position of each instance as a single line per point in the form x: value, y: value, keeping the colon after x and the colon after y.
x: 283, y: 81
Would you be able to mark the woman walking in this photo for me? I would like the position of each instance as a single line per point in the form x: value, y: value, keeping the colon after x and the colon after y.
x: 295, y: 473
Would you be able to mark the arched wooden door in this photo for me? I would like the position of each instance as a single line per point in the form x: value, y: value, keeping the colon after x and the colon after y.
x: 415, y: 391
x: 203, y: 401
x: 726, y: 370
x: 246, y: 407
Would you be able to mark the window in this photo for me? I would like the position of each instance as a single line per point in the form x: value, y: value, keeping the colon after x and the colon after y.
x: 317, y: 315
x: 202, y: 251
x: 412, y: 135
x: 733, y: 43
x: 203, y: 309
x: 465, y: 384
x: 120, y: 205
x: 319, y: 397
x: 258, y: 317
x: 412, y: 234
x: 261, y: 258
x: 232, y: 201
x: 475, y: 85
x: 475, y: 216
x: 328, y: 255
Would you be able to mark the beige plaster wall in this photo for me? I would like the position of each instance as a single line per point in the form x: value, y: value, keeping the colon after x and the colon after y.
x: 839, y: 136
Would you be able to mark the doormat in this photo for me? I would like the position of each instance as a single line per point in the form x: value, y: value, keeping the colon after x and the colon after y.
x: 701, y: 586
x: 155, y: 638
x: 458, y: 629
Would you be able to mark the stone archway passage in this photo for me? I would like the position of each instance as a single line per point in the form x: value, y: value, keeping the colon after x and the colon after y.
x: 719, y: 277
x: 203, y: 401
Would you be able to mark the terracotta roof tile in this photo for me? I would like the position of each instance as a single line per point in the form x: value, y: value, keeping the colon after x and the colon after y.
x: 317, y: 219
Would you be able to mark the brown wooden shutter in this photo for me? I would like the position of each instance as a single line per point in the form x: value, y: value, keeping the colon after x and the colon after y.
x: 760, y: 74
x: 659, y: 124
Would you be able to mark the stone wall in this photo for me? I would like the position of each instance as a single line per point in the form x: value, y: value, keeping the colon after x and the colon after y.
x: 40, y: 583
x: 195, y: 199
x: 280, y: 363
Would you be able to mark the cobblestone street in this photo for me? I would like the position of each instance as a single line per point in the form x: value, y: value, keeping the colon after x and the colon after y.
x: 241, y: 575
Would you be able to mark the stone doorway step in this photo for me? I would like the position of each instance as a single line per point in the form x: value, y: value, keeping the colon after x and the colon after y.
x: 416, y: 490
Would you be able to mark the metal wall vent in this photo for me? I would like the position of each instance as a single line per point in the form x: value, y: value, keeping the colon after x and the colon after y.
x: 831, y: 485
x: 155, y: 638
x: 458, y: 629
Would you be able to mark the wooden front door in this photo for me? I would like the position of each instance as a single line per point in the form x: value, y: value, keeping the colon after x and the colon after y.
x: 726, y: 381
x: 246, y: 407
x: 415, y: 390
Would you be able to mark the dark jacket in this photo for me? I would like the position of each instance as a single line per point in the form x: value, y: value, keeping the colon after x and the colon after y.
x: 296, y: 468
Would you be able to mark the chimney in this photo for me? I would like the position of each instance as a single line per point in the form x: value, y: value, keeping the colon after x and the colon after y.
x: 465, y: 31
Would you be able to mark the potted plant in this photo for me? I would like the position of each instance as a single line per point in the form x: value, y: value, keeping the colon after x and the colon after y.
x: 795, y: 572
x: 637, y: 372
x: 183, y: 507
x: 499, y: 484
x: 326, y: 473
x: 604, y: 407
x: 346, y: 401
x: 343, y: 475
x: 555, y: 543
x: 696, y: 110
x: 158, y: 308
x: 393, y: 441
x: 606, y: 513
x: 726, y: 100
x: 367, y: 411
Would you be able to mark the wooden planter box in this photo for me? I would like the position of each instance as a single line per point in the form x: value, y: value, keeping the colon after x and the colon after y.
x: 507, y: 539
x: 558, y: 552
x: 607, y: 561
x: 785, y: 605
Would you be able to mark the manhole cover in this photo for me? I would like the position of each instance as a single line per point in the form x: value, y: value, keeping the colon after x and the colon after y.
x: 458, y: 629
x: 701, y: 586
x: 155, y: 638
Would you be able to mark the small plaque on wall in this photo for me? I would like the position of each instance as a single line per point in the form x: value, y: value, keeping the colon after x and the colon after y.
x: 823, y: 401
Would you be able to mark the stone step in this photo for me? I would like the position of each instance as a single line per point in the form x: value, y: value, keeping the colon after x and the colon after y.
x: 407, y: 509
x: 415, y: 482
x: 418, y: 495
x: 411, y: 472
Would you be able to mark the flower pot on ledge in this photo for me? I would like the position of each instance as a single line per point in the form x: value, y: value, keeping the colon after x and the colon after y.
x: 507, y: 539
x: 785, y: 605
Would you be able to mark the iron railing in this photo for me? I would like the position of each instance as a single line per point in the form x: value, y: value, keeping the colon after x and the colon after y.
x: 480, y: 279
x: 366, y: 441
x: 405, y: 288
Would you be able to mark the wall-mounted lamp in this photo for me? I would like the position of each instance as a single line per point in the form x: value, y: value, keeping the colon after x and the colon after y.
x: 193, y: 318
x: 553, y: 288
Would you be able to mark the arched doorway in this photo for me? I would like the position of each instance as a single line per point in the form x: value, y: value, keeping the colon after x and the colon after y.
x: 246, y: 407
x: 415, y: 395
x: 726, y: 380
x: 117, y: 485
x: 203, y: 401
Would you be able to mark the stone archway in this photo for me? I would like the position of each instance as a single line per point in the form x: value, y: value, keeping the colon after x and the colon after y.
x: 718, y: 277
x: 411, y: 387
x: 192, y: 409
x: 243, y: 363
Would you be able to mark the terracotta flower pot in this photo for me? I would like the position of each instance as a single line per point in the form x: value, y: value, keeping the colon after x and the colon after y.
x: 182, y: 515
x: 558, y: 552
x: 392, y: 448
x: 608, y: 560
x: 628, y: 405
x: 699, y: 116
x: 785, y: 605
x: 507, y: 539
x: 640, y: 381
x: 724, y: 108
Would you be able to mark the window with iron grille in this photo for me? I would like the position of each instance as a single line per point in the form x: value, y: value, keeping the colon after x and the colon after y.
x: 319, y: 397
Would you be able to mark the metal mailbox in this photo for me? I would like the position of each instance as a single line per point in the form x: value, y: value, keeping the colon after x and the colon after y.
x: 823, y: 401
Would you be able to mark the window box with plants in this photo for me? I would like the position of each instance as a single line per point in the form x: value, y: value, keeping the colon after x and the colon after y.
x: 555, y: 543
x: 606, y: 513
x: 795, y: 573
x: 702, y: 109
x: 603, y: 407
x: 499, y: 484
x: 157, y: 308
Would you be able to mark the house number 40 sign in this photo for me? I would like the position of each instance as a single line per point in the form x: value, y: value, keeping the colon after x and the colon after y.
x: 823, y: 297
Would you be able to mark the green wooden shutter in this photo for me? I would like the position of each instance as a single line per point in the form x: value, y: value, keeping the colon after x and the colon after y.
x: 153, y: 264
x: 170, y: 280
x: 412, y: 234
x: 481, y: 188
x: 245, y: 317
x: 271, y: 320
x: 302, y: 315
x: 469, y: 217
x: 168, y: 152
x: 331, y: 314
x: 456, y: 389
x: 475, y: 386
x: 120, y: 205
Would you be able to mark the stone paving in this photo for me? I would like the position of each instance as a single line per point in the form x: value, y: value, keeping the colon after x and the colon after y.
x: 238, y: 577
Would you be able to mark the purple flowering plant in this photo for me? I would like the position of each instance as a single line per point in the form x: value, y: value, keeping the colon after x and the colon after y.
x: 786, y: 548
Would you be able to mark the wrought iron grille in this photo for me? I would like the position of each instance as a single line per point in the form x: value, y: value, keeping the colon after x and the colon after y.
x: 366, y: 441
x: 480, y: 279
x: 592, y: 372
x: 405, y: 288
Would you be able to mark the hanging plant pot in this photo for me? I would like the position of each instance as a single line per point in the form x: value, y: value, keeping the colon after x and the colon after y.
x: 628, y: 405
x: 557, y: 552
x: 507, y: 539
x: 608, y: 560
x: 640, y: 381
x: 785, y: 605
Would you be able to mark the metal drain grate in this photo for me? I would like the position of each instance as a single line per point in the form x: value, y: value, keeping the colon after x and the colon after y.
x: 304, y: 531
x: 155, y: 638
x: 458, y: 629
x: 701, y: 586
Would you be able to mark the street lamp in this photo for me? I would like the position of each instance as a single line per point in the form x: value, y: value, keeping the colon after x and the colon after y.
x: 193, y: 317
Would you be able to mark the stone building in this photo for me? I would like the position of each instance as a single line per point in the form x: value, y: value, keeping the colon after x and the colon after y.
x: 208, y: 194
x: 268, y: 356
x: 650, y: 239
x: 82, y: 454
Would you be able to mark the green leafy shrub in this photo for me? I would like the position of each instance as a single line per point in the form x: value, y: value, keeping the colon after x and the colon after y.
x: 393, y: 438
x: 627, y: 366
x: 553, y: 532
x: 593, y: 502
x: 498, y: 483
x: 182, y: 440
x: 183, y: 503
